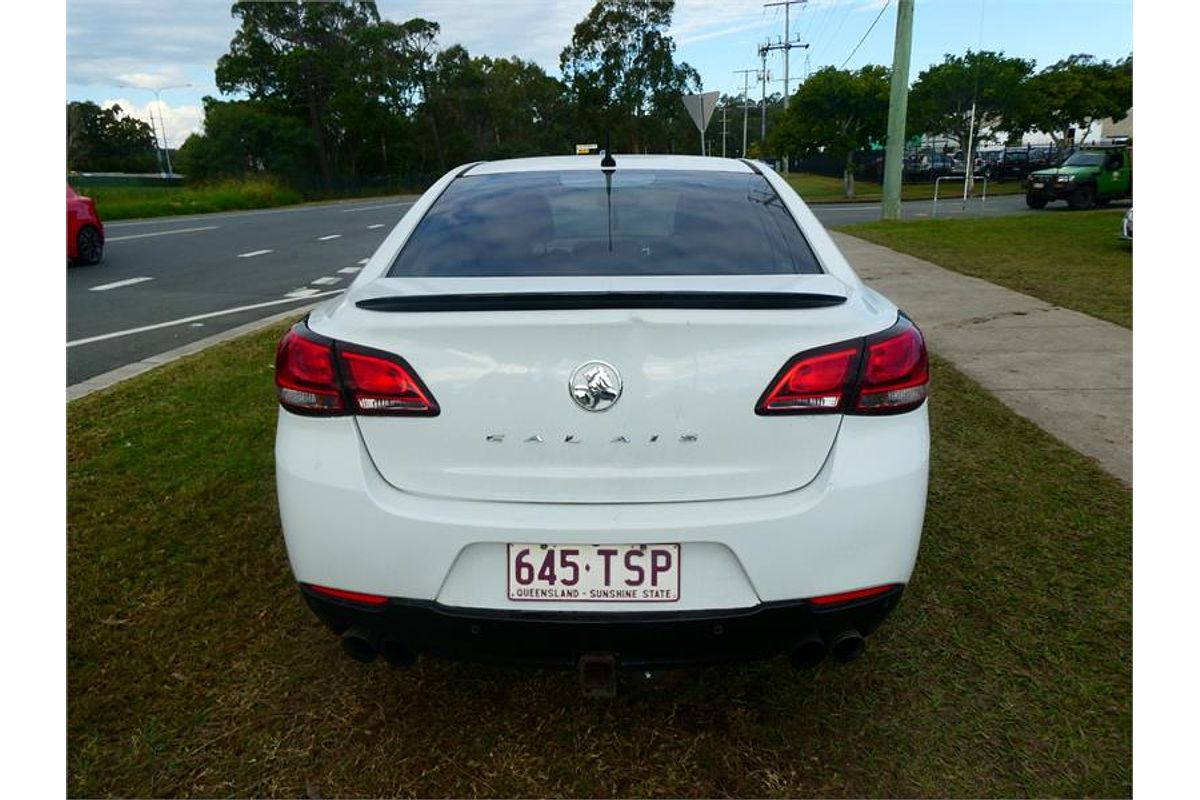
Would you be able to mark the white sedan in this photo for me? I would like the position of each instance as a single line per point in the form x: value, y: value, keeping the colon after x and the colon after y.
x: 604, y: 416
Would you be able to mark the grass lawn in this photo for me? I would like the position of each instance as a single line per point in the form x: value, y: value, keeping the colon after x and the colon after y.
x: 195, y: 669
x: 132, y: 202
x: 1075, y: 259
x: 824, y: 189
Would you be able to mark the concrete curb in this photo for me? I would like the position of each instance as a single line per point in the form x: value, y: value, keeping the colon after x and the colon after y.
x: 113, y: 377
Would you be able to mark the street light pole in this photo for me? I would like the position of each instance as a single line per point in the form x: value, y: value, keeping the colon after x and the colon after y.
x: 166, y: 148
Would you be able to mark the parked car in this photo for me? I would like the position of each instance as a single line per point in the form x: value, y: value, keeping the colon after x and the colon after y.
x: 634, y: 417
x: 1092, y: 175
x: 85, y: 231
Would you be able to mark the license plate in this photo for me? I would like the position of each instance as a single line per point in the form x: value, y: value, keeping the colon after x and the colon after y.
x: 601, y: 573
x: 1039, y: 186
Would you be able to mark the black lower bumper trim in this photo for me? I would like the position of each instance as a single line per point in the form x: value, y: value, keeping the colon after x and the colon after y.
x: 637, y: 639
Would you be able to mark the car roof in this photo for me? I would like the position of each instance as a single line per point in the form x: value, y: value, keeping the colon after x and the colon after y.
x: 624, y: 161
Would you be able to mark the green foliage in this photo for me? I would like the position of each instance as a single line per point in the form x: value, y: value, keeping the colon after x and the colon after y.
x: 941, y: 99
x: 230, y: 194
x: 1075, y: 92
x: 107, y: 140
x: 840, y: 111
x: 621, y: 73
x: 246, y: 137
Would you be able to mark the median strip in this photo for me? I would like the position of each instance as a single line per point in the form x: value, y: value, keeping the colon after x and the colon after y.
x: 104, y: 287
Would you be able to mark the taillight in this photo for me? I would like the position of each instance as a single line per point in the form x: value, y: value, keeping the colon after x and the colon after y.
x: 887, y: 373
x: 306, y: 379
x: 384, y: 384
x: 813, y: 382
x: 315, y: 375
x: 895, y: 373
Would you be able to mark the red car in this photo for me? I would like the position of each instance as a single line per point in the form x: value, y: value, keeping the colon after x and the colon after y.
x: 85, y: 231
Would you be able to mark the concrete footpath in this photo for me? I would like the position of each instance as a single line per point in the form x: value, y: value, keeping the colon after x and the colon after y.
x: 1069, y: 373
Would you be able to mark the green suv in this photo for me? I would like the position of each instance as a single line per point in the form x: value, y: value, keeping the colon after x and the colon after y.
x: 1091, y: 176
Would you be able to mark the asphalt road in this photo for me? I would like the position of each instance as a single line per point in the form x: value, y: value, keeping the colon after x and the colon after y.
x: 171, y: 281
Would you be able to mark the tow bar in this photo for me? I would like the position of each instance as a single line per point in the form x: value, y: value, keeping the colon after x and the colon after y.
x: 598, y: 674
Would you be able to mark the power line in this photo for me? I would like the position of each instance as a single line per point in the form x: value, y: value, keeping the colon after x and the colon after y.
x: 865, y: 35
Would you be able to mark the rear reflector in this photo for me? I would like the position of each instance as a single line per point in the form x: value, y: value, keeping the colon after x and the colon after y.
x: 846, y: 597
x: 343, y: 594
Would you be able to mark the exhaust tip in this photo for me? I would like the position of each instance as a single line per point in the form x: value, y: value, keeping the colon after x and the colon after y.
x: 358, y: 646
x: 398, y: 654
x: 848, y: 645
x: 809, y: 652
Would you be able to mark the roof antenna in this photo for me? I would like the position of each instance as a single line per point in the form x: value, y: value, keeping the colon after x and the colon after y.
x: 607, y: 162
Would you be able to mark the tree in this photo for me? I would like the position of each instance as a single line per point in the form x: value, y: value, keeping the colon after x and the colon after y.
x: 620, y: 70
x: 246, y: 137
x: 836, y: 111
x: 108, y: 140
x: 1075, y: 92
x: 942, y: 98
x: 303, y: 55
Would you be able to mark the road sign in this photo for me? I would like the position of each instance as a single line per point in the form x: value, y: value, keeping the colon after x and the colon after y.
x: 700, y: 108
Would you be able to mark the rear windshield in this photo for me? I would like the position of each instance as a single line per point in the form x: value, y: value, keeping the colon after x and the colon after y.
x: 635, y: 222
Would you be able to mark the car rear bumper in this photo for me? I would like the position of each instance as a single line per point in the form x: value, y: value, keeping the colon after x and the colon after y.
x: 856, y: 524
x: 652, y: 640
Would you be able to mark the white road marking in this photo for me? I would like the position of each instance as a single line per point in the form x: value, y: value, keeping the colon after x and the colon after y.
x: 111, y: 239
x: 117, y: 334
x: 254, y: 253
x: 372, y: 208
x: 326, y: 281
x: 349, y: 270
x: 303, y: 291
x: 363, y: 260
x: 373, y: 227
x: 330, y: 236
x: 104, y: 287
x: 227, y: 214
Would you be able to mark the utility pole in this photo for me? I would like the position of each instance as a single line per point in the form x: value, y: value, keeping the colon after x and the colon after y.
x: 893, y: 164
x: 724, y: 131
x: 763, y: 77
x: 786, y: 44
x: 745, y: 73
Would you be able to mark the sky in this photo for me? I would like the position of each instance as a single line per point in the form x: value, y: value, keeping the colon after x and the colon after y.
x: 119, y: 50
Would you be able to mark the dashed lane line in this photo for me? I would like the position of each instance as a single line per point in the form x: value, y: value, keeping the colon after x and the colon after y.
x: 330, y: 236
x: 349, y: 270
x: 112, y: 239
x: 254, y: 253
x: 303, y: 291
x: 104, y: 287
x: 185, y: 320
x: 363, y: 260
x: 328, y: 280
x: 373, y: 227
x: 373, y: 208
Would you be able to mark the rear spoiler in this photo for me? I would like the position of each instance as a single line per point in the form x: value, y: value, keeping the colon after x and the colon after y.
x: 554, y: 301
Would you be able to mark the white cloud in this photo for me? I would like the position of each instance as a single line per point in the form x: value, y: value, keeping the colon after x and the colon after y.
x: 179, y: 122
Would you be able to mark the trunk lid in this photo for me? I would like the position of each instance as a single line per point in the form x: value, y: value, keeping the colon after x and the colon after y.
x: 684, y: 426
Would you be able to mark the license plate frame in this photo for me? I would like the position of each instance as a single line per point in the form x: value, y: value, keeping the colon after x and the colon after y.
x: 660, y: 566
